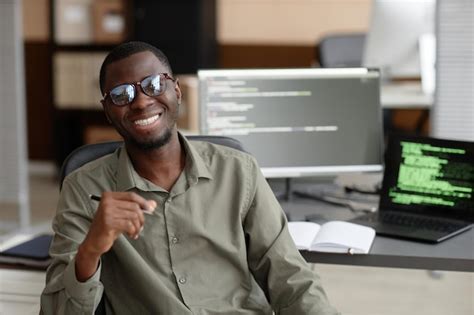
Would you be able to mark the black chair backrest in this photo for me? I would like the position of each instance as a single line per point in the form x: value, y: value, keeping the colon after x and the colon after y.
x: 341, y: 50
x: 90, y: 152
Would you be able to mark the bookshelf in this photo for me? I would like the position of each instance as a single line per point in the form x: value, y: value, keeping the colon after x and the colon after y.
x: 80, y: 42
x: 82, y: 32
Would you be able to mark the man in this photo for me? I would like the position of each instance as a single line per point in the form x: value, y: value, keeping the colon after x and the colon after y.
x: 180, y: 228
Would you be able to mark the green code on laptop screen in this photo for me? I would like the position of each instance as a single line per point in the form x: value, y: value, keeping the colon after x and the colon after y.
x: 434, y: 175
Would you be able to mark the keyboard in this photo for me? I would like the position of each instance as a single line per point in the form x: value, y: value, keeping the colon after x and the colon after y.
x: 420, y: 222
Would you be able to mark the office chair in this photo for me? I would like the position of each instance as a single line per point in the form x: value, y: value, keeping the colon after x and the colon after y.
x: 90, y: 152
x: 346, y: 51
x: 341, y: 50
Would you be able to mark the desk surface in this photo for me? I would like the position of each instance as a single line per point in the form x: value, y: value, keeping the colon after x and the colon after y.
x: 404, y: 95
x: 454, y: 254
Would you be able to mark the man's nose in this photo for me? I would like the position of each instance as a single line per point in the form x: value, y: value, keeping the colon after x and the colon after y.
x: 141, y: 100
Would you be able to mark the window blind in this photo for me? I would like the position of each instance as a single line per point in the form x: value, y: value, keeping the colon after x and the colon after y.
x: 13, y: 155
x: 453, y: 112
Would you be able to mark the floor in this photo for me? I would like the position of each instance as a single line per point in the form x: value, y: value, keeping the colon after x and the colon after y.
x: 352, y: 290
x: 20, y: 291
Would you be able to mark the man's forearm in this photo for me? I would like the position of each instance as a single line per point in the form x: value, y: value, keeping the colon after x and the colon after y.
x: 87, y: 262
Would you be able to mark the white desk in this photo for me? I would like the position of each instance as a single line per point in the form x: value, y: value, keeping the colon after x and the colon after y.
x: 404, y: 95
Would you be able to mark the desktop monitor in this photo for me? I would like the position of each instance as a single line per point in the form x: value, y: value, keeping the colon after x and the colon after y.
x: 393, y: 40
x: 297, y: 122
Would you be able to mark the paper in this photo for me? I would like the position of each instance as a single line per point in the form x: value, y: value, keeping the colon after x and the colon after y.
x: 332, y: 237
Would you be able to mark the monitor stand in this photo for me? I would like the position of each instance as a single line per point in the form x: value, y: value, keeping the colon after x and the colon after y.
x: 287, y: 193
x: 283, y: 192
x: 284, y: 188
x: 357, y: 199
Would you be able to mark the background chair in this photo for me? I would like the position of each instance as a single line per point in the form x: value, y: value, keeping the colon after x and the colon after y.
x: 346, y: 51
x: 90, y: 152
x: 341, y: 50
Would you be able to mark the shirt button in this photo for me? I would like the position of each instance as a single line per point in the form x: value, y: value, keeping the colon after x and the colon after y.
x: 175, y: 240
x: 182, y: 280
x: 169, y: 199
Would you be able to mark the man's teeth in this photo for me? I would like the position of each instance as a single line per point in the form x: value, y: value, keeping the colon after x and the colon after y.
x: 144, y: 122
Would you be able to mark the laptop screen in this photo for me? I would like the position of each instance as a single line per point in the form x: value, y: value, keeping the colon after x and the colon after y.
x: 429, y: 176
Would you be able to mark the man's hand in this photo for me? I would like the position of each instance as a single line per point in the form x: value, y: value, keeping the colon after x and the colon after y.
x: 118, y: 212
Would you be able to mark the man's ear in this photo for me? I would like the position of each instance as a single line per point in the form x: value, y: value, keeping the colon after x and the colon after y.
x: 177, y: 89
x: 105, y: 111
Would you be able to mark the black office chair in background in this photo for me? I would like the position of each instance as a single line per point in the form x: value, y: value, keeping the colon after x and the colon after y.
x: 341, y: 50
x: 345, y: 50
x: 90, y: 152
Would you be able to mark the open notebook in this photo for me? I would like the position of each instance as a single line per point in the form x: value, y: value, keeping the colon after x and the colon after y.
x: 332, y: 237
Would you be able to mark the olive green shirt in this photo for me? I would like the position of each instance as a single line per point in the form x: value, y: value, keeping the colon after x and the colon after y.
x: 218, y: 243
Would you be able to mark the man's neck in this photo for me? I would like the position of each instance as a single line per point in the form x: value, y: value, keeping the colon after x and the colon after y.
x: 161, y: 166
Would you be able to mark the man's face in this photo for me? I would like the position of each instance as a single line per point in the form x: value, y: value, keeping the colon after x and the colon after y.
x: 147, y: 122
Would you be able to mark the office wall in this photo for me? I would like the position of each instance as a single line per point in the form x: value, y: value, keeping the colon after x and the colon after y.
x: 288, y: 22
x: 35, y: 20
x: 282, y: 33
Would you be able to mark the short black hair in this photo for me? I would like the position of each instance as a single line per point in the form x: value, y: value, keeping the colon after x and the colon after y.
x: 127, y: 49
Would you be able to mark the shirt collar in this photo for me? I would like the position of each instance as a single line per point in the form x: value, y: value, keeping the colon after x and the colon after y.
x: 195, y: 166
x: 128, y: 178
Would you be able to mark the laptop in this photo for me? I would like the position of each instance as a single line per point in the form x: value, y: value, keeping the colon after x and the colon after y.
x: 427, y: 189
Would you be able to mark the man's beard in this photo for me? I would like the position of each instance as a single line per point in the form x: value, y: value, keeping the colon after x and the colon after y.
x: 151, y: 144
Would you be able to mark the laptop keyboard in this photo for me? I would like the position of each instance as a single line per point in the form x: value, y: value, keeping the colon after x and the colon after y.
x: 419, y: 222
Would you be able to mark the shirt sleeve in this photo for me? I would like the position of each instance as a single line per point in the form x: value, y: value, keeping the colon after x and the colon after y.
x: 290, y: 285
x: 63, y: 293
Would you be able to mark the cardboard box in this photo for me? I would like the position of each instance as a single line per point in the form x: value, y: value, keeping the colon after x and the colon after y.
x: 36, y: 20
x: 109, y: 21
x: 76, y: 80
x: 90, y: 78
x: 73, y: 22
x: 188, y: 119
x: 68, y: 89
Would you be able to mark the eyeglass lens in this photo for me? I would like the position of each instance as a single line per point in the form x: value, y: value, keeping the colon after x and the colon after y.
x: 125, y: 94
x: 153, y: 86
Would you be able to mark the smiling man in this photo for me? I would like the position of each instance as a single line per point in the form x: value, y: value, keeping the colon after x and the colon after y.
x: 180, y: 228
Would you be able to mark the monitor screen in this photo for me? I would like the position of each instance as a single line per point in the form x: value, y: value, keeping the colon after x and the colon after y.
x: 297, y: 122
x: 435, y: 175
x: 392, y: 43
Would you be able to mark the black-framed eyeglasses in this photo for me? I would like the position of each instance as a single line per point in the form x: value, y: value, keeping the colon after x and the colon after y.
x: 153, y: 85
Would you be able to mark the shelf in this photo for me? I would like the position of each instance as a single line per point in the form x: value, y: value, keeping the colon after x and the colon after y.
x: 83, y: 47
